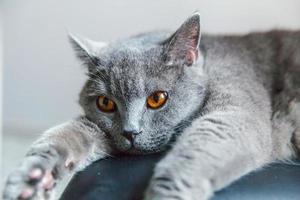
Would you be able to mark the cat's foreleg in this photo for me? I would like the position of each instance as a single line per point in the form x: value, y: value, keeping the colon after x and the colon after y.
x: 61, y: 150
x: 217, y: 149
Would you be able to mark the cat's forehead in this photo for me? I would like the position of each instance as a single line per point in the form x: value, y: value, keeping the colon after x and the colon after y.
x: 133, y: 61
x: 137, y: 72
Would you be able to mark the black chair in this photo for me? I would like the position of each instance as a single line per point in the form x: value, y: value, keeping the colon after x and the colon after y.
x: 126, y: 178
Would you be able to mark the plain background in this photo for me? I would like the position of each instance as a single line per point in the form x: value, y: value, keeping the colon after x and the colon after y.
x: 42, y: 78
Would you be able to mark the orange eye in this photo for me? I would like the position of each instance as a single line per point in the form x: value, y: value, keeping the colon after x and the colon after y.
x: 157, y: 99
x: 105, y: 104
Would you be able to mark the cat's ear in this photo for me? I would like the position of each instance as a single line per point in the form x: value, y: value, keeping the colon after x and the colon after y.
x: 182, y: 48
x: 86, y: 50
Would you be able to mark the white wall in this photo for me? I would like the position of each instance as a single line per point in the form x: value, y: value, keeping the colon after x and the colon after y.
x: 1, y: 67
x: 42, y: 77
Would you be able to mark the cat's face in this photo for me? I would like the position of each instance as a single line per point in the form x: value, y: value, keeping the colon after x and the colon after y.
x: 142, y: 91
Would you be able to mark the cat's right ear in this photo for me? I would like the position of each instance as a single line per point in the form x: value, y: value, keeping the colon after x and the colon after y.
x: 183, y: 46
x: 86, y: 50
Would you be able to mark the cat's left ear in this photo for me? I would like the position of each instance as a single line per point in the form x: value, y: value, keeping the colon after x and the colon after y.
x: 86, y: 50
x: 182, y: 48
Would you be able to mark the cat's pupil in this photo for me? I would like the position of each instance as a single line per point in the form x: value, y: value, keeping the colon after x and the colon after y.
x: 105, y: 101
x: 155, y: 98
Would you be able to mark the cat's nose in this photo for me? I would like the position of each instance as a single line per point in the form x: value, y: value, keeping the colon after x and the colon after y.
x: 130, y: 134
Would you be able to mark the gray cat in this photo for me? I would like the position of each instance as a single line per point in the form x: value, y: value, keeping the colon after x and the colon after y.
x: 223, y: 105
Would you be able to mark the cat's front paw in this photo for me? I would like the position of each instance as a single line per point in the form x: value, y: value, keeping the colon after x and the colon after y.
x: 32, y: 180
x: 171, y: 184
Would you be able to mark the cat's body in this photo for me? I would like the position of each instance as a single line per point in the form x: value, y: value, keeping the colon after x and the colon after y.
x: 261, y: 72
x: 232, y: 107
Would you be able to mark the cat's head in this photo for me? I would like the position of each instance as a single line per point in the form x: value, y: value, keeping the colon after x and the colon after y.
x: 143, y: 90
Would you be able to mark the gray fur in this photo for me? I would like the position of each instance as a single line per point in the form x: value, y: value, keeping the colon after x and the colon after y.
x: 233, y: 107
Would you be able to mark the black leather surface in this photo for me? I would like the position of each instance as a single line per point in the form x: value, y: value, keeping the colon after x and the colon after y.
x: 125, y: 178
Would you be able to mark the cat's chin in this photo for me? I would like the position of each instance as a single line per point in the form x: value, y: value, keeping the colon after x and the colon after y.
x: 143, y: 152
x: 136, y: 151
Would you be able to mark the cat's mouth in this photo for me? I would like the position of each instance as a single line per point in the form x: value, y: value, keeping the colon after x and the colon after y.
x: 135, y: 148
x: 139, y: 145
